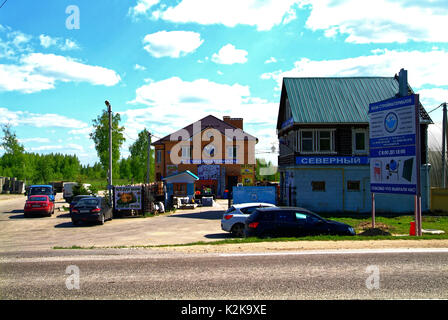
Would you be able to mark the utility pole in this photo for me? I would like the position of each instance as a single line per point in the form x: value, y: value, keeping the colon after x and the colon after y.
x: 444, y: 141
x: 109, y: 110
x: 148, y: 161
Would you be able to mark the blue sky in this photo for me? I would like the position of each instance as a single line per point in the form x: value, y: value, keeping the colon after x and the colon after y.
x: 165, y: 64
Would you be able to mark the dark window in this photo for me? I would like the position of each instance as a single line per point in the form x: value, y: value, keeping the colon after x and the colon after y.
x: 248, y: 210
x: 307, y: 141
x: 286, y: 216
x: 318, y: 185
x: 324, y: 141
x: 268, y: 216
x: 353, y: 185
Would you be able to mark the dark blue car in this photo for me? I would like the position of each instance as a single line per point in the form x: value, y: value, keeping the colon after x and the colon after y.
x: 292, y: 222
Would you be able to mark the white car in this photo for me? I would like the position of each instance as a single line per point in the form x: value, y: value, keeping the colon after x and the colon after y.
x: 234, y: 218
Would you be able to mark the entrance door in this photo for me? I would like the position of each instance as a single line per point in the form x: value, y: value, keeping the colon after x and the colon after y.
x: 231, y: 182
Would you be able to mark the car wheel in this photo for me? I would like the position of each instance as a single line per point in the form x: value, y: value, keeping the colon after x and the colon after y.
x: 75, y: 222
x: 238, y: 230
x: 26, y: 215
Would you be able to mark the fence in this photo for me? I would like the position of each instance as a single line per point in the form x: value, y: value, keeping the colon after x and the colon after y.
x: 439, y: 200
x: 11, y: 185
x: 134, y: 200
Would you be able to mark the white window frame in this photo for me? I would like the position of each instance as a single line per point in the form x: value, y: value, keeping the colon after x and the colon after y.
x: 366, y: 141
x: 316, y: 141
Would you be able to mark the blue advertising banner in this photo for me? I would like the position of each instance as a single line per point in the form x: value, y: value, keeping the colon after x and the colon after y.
x: 249, y: 194
x: 393, y: 146
x: 328, y: 160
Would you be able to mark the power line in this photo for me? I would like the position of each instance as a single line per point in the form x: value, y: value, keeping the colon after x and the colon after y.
x: 436, y: 108
x: 3, y: 4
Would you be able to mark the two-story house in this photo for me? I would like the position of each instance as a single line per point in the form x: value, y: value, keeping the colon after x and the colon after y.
x: 217, y: 151
x: 323, y: 132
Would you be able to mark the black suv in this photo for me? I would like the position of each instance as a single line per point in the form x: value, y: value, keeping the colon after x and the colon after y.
x: 292, y: 222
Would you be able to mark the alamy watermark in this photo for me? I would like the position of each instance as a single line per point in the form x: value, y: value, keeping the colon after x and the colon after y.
x: 373, y: 280
x: 73, y: 20
x: 72, y: 281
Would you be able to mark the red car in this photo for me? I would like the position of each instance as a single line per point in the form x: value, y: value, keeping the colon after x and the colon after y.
x: 38, y: 204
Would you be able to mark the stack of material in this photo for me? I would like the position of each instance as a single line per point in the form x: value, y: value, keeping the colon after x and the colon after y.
x: 207, y: 201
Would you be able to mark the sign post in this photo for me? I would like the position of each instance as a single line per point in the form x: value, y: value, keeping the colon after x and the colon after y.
x: 395, y: 149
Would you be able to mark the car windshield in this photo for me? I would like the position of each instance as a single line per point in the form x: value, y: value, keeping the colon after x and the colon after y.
x: 88, y: 202
x: 40, y: 190
x: 79, y: 198
x: 38, y: 199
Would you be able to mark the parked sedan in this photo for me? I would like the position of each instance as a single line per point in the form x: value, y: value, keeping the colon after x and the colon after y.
x: 292, y: 222
x: 234, y: 218
x: 76, y: 199
x: 38, y: 205
x: 92, y: 209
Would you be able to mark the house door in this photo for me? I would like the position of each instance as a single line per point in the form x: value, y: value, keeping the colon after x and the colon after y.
x: 231, y: 182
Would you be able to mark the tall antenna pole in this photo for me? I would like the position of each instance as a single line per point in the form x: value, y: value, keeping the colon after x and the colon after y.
x: 109, y: 110
x: 444, y: 140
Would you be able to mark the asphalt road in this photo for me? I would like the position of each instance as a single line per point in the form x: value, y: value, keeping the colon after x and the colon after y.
x: 145, y: 274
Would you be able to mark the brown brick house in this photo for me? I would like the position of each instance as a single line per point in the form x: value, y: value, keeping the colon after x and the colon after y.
x: 218, y: 151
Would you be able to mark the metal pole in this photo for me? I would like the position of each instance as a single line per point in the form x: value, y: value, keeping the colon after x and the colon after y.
x: 419, y: 167
x: 373, y: 210
x: 148, y: 164
x: 444, y: 140
x: 109, y: 110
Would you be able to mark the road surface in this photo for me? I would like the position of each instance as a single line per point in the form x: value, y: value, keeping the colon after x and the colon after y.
x: 147, y: 274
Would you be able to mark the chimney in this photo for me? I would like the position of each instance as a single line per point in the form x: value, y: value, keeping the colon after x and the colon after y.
x: 403, y: 83
x: 236, y: 122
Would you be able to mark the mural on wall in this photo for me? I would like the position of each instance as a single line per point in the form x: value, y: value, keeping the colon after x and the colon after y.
x: 208, y: 172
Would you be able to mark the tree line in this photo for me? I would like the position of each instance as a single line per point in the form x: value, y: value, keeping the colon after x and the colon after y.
x: 43, y: 168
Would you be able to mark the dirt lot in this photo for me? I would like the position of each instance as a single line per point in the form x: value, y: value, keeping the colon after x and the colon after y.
x: 184, y: 226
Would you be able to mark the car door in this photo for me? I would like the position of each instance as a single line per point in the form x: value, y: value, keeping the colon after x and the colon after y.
x: 286, y: 224
x: 315, y: 225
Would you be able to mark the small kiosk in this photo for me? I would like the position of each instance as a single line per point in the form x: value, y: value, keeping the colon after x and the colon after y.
x: 180, y: 185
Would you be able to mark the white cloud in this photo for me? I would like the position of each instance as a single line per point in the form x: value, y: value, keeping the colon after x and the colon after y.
x: 263, y: 14
x: 18, y: 118
x: 423, y: 67
x: 174, y: 103
x: 142, y: 7
x: 69, y: 45
x: 37, y: 72
x: 38, y: 140
x: 47, y: 41
x: 71, y: 147
x: 139, y: 67
x: 381, y: 21
x: 271, y: 60
x: 172, y: 43
x: 230, y: 55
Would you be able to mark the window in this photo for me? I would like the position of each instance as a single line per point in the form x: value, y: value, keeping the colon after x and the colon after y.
x: 317, y: 141
x: 158, y: 156
x: 318, y: 185
x: 324, y: 141
x: 180, y: 188
x: 360, y: 141
x: 232, y: 152
x: 186, y: 150
x: 209, y: 150
x: 307, y: 141
x: 300, y: 216
x: 353, y: 185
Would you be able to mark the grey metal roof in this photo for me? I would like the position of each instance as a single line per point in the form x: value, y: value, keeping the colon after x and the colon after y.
x: 338, y: 100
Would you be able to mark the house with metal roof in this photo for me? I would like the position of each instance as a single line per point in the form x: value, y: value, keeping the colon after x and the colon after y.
x: 323, y: 132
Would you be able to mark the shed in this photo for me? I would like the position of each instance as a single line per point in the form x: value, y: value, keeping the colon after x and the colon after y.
x: 180, y: 184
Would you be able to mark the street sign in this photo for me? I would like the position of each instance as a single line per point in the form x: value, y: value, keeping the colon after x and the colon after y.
x: 394, y: 145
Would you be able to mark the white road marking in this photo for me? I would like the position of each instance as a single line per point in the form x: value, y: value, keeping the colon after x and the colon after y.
x: 336, y: 251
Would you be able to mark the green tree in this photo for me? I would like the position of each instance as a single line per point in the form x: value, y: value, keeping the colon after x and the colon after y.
x: 100, y: 137
x: 139, y: 156
x: 14, y: 157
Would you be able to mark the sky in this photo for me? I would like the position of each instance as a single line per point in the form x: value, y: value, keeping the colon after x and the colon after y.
x: 165, y: 64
